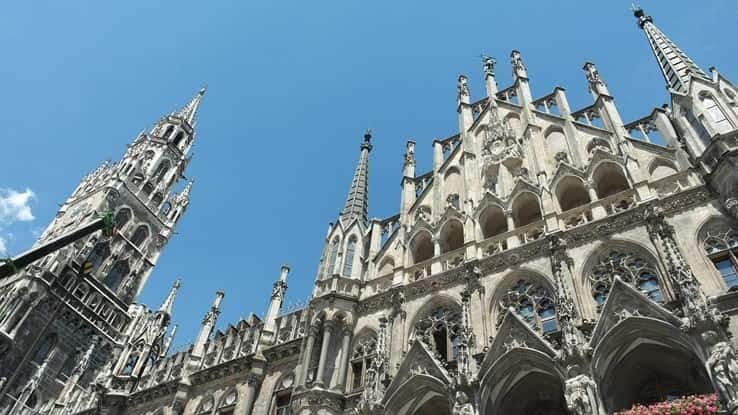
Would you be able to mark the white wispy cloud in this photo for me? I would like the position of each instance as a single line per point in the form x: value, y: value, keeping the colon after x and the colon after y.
x: 14, y: 206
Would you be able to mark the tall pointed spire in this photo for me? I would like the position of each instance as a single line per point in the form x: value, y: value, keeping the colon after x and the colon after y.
x: 357, y: 202
x: 190, y: 110
x: 166, y: 306
x: 675, y: 65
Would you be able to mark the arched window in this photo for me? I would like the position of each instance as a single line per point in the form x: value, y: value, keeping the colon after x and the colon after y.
x: 98, y: 255
x: 67, y: 367
x: 715, y: 113
x: 332, y: 257
x: 721, y: 246
x: 361, y: 361
x: 147, y: 188
x: 130, y: 364
x: 162, y: 170
x: 283, y: 396
x: 439, y: 330
x: 139, y: 237
x: 348, y: 259
x: 168, y: 132
x: 45, y: 348
x: 178, y: 138
x: 157, y: 199
x: 228, y: 402
x: 609, y: 179
x: 122, y: 218
x: 119, y: 271
x: 535, y: 304
x: 632, y: 268
x: 697, y: 126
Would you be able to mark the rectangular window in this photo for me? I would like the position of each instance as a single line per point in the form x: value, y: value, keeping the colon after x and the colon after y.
x: 357, y: 369
x: 727, y: 271
x: 282, y: 403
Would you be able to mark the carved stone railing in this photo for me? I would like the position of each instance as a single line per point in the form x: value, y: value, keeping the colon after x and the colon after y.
x: 493, y: 245
x: 337, y: 285
x: 453, y: 259
x: 420, y: 270
x: 671, y: 184
x: 508, y: 94
x: 529, y: 233
x: 619, y: 201
x: 575, y: 217
x: 378, y: 285
x: 546, y: 103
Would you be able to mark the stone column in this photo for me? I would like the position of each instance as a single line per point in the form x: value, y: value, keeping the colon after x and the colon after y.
x: 598, y: 211
x: 248, y: 405
x: 514, y: 240
x: 328, y: 327
x: 312, y: 334
x: 345, y: 353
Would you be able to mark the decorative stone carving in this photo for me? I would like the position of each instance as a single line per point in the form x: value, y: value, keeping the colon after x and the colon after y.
x: 488, y: 63
x: 462, y: 87
x: 462, y: 406
x: 581, y: 396
x: 723, y: 367
x: 516, y: 61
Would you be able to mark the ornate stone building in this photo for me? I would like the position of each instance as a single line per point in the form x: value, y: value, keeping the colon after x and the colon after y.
x: 552, y: 262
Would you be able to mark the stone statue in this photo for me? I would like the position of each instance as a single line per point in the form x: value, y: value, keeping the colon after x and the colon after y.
x: 581, y: 395
x: 723, y: 367
x: 462, y: 86
x: 489, y: 65
x: 462, y: 406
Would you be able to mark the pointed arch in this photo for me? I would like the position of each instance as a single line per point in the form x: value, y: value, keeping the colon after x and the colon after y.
x: 645, y: 360
x: 419, y: 395
x: 526, y: 209
x: 436, y: 324
x: 636, y: 265
x: 571, y: 193
x: 493, y: 221
x: 451, y: 235
x: 531, y: 294
x: 421, y: 246
x: 609, y: 178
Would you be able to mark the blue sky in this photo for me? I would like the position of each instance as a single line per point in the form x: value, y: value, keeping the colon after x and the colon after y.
x: 291, y: 87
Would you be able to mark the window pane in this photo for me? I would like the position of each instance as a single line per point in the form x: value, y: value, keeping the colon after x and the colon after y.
x: 727, y: 271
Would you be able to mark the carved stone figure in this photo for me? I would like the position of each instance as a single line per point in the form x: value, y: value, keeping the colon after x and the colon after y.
x: 581, y: 395
x: 462, y: 406
x: 489, y: 65
x: 723, y: 367
x: 462, y: 86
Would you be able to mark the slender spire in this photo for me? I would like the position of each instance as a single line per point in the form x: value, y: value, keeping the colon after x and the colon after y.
x: 675, y: 65
x: 190, y: 110
x: 357, y: 202
x: 166, y: 306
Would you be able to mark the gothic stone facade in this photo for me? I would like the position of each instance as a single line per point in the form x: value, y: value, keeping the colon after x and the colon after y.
x: 552, y: 262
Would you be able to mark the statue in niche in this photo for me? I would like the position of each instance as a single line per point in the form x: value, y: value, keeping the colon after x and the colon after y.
x: 462, y: 86
x: 462, y: 406
x: 723, y: 367
x: 581, y: 395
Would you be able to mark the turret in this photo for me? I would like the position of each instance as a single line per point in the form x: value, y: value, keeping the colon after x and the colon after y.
x: 275, y: 304
x: 490, y: 82
x: 206, y: 329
